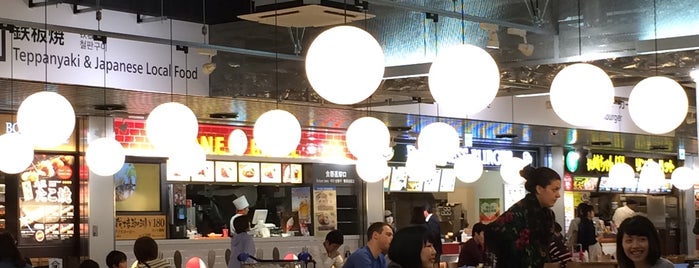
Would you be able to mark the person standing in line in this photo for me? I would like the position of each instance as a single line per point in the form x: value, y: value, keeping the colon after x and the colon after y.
x: 521, y: 236
x: 622, y: 213
x: 241, y: 242
x: 329, y: 256
x: 587, y: 234
x: 638, y: 244
x: 379, y: 236
x: 242, y: 207
x: 146, y: 251
x: 473, y: 251
x: 432, y: 223
x: 116, y: 259
x: 10, y: 257
x: 411, y: 248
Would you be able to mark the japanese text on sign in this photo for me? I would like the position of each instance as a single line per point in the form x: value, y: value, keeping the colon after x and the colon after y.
x: 134, y: 226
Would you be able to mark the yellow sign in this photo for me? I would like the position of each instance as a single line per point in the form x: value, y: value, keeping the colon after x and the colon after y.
x: 131, y: 227
x: 601, y: 163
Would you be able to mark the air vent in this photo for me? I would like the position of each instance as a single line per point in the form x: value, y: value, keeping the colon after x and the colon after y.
x: 506, y: 136
x: 400, y: 128
x: 601, y: 143
x: 110, y: 107
x: 306, y: 16
x: 659, y: 147
x: 224, y: 115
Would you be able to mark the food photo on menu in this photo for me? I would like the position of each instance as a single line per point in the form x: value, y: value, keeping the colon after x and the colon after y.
x: 206, y: 174
x: 45, y: 205
x: 226, y: 171
x: 271, y: 173
x: 248, y: 172
x: 291, y: 173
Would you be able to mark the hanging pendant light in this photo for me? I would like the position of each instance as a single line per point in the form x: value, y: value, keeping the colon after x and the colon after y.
x: 419, y: 166
x: 105, y: 156
x: 18, y: 153
x: 345, y: 65
x: 372, y: 169
x: 277, y: 133
x: 189, y: 159
x: 621, y: 175
x: 237, y: 142
x: 509, y: 170
x: 367, y: 137
x: 468, y: 168
x: 651, y: 176
x: 46, y: 129
x: 658, y: 105
x: 439, y: 141
x: 581, y: 83
x: 684, y: 178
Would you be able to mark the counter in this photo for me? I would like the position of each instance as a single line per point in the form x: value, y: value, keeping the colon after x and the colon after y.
x: 202, y: 246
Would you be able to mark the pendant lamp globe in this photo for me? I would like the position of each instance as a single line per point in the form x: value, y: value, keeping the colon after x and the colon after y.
x: 105, y: 156
x: 658, y: 104
x: 237, y: 142
x: 468, y: 168
x: 170, y: 125
x: 345, y: 65
x: 18, y: 153
x: 439, y: 141
x: 277, y: 133
x: 464, y: 79
x: 46, y: 129
x: 684, y: 178
x: 188, y: 159
x: 622, y: 175
x: 581, y: 83
x: 509, y: 170
x: 419, y: 166
x: 651, y: 176
x: 367, y: 137
x: 372, y: 169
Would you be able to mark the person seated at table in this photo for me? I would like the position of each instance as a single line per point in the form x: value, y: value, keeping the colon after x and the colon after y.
x: 411, y: 247
x: 329, y: 256
x: 558, y: 250
x: 146, y: 251
x: 638, y: 244
x: 473, y: 251
x: 116, y: 259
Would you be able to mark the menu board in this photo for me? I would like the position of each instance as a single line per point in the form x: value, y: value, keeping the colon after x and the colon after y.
x: 324, y: 210
x: 226, y: 171
x: 633, y: 188
x: 46, y: 204
x: 248, y: 172
x: 173, y: 175
x: 664, y: 188
x: 206, y: 174
x: 432, y: 183
x: 448, y: 180
x: 606, y: 184
x: 399, y: 179
x: 585, y: 183
x: 271, y: 172
x: 292, y: 173
x: 131, y: 227
x: 414, y: 185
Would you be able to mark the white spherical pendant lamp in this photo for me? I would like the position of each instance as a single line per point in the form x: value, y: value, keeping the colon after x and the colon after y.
x: 622, y: 175
x: 683, y: 178
x: 105, y: 156
x: 439, y: 141
x: 585, y: 84
x: 372, y: 169
x: 367, y: 137
x: 188, y: 159
x: 345, y: 65
x: 464, y: 79
x: 651, y: 176
x: 658, y: 104
x: 46, y: 118
x: 171, y: 124
x: 418, y: 166
x: 509, y: 170
x: 277, y: 133
x: 468, y: 168
x: 17, y: 153
x: 237, y: 142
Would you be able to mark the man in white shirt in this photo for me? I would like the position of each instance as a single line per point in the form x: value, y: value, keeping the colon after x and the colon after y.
x: 329, y: 256
x: 622, y: 213
x: 242, y: 207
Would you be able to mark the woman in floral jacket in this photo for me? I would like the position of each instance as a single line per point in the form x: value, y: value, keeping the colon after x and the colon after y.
x: 522, y: 235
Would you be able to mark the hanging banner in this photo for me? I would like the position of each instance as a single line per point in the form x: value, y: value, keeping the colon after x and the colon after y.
x: 301, y: 204
x: 324, y: 210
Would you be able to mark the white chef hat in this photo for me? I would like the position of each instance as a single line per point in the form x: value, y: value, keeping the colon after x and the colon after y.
x: 241, y: 203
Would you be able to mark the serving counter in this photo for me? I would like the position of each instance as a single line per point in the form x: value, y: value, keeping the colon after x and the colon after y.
x: 201, y: 247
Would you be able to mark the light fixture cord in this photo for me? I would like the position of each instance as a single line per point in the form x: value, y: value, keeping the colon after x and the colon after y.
x: 46, y: 46
x: 463, y: 24
x: 579, y: 30
x: 436, y: 38
x: 186, y: 80
x: 424, y: 35
x: 172, y: 82
x: 655, y: 34
x: 276, y: 53
x: 104, y: 82
x: 12, y: 78
x: 344, y: 7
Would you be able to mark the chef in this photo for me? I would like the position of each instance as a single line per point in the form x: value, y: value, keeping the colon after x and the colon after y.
x: 242, y: 207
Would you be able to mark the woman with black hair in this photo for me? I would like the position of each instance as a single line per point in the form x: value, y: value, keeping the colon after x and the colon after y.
x: 638, y: 244
x: 10, y: 257
x: 521, y: 236
x: 411, y: 248
x: 241, y: 242
x: 146, y: 251
x: 587, y: 234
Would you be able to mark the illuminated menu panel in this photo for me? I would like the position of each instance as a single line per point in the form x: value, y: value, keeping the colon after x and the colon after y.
x: 46, y: 204
x: 448, y: 180
x: 226, y: 171
x: 585, y: 183
x: 271, y: 172
x: 206, y: 174
x: 248, y: 172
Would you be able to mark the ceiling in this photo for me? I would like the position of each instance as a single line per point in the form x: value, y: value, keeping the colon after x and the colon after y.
x: 605, y: 33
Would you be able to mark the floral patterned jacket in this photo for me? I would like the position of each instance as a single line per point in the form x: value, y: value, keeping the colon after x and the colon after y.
x: 521, y: 236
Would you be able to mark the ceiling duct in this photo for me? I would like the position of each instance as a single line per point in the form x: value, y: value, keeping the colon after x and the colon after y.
x: 306, y: 13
